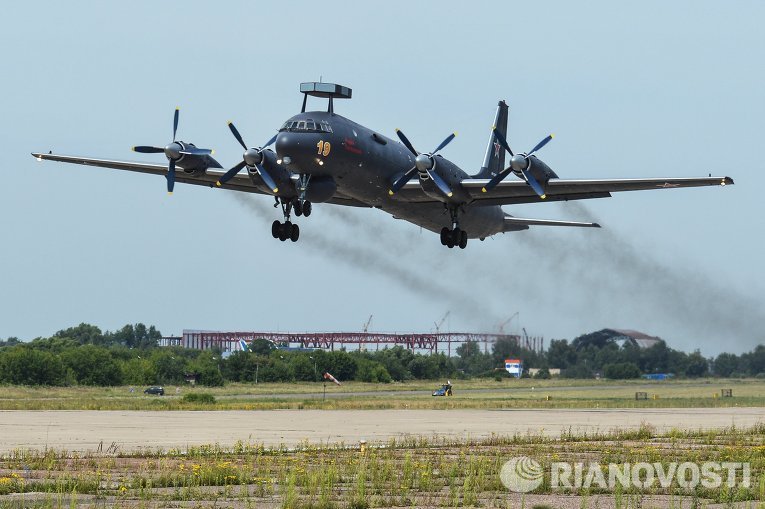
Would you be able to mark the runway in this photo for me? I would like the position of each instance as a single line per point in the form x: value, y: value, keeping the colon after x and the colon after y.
x: 133, y: 430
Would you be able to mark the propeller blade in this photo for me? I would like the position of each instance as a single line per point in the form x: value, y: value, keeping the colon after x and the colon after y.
x: 196, y: 151
x: 403, y: 179
x: 170, y: 176
x: 440, y: 183
x: 270, y: 142
x: 175, y: 122
x: 541, y: 144
x: 267, y: 179
x: 502, y: 141
x: 534, y: 184
x: 148, y: 150
x: 499, y: 177
x: 444, y: 143
x: 406, y: 142
x: 236, y: 134
x: 230, y: 174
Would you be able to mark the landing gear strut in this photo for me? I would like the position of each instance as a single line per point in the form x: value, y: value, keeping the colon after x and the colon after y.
x: 285, y: 230
x: 302, y: 206
x: 454, y: 236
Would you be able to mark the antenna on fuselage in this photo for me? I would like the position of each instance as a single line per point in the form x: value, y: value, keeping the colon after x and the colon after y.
x: 326, y: 90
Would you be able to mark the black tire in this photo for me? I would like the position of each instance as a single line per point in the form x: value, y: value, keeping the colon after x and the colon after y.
x: 284, y: 233
x: 444, y: 235
x: 307, y: 208
x: 455, y: 235
x: 295, y: 234
x: 276, y: 227
x: 463, y: 239
x: 298, y: 208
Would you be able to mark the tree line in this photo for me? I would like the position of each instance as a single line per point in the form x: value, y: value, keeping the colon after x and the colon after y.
x: 84, y: 355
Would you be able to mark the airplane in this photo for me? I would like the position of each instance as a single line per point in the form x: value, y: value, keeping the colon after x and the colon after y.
x: 322, y: 157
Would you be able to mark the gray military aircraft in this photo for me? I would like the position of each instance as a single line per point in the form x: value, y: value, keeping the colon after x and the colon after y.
x: 322, y: 157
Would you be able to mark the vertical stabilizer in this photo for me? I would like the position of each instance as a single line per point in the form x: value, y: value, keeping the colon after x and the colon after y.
x: 494, y: 161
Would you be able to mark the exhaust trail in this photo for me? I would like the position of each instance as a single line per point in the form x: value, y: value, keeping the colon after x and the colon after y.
x: 615, y: 273
x: 396, y: 269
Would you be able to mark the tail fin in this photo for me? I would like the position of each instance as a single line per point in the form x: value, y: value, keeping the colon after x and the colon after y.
x: 243, y: 346
x: 494, y: 161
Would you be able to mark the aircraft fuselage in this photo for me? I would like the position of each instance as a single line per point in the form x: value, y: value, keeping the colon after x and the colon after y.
x: 363, y: 163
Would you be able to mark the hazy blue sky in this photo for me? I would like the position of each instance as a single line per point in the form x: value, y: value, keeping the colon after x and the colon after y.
x: 631, y: 90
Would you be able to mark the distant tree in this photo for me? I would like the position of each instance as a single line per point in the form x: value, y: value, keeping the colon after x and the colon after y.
x: 92, y: 365
x: 341, y: 364
x: 138, y: 371
x: 84, y: 334
x: 560, y: 354
x: 697, y: 365
x: 543, y: 374
x: 207, y: 366
x: 170, y: 365
x: 21, y: 365
x: 261, y: 346
x: 372, y: 372
x: 726, y: 364
x: 621, y: 371
x: 10, y: 342
x: 754, y: 361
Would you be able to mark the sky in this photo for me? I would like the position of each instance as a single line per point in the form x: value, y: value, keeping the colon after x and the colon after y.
x: 640, y: 89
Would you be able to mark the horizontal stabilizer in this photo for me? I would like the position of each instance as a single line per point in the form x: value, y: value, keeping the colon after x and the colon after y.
x: 519, y: 223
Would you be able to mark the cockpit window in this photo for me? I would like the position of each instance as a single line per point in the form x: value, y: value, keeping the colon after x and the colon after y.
x: 306, y: 126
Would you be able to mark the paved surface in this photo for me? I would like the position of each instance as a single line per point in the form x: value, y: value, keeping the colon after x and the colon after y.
x: 84, y: 430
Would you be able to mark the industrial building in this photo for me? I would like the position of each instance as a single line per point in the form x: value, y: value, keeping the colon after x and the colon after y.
x: 439, y: 342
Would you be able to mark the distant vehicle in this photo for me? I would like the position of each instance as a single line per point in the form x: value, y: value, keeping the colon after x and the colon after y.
x: 444, y: 390
x: 155, y: 390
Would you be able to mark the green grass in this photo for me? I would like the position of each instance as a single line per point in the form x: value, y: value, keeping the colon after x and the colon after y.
x: 415, y: 471
x: 469, y: 394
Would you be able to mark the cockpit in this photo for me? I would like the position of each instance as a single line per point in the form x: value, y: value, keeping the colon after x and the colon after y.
x: 306, y: 126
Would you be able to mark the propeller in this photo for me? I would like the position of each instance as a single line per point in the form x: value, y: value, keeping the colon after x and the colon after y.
x: 519, y: 164
x: 173, y: 151
x: 252, y: 158
x: 424, y: 163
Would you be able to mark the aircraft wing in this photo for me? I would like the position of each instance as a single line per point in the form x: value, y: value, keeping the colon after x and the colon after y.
x: 239, y: 182
x: 513, y: 224
x: 510, y: 192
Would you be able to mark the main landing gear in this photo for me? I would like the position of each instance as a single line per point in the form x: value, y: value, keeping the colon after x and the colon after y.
x: 288, y: 230
x: 454, y: 236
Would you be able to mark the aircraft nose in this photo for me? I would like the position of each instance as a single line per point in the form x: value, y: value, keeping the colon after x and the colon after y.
x: 297, y: 151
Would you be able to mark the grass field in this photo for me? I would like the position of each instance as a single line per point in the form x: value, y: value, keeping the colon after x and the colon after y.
x: 416, y: 472
x: 478, y: 394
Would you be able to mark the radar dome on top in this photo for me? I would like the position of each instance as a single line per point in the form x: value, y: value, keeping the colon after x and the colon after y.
x: 326, y: 90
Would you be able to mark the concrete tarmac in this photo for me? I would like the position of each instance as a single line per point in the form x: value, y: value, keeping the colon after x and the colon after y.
x: 84, y: 430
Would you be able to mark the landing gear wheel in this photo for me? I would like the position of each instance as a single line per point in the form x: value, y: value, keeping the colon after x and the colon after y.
x: 306, y: 208
x: 285, y: 231
x: 295, y: 233
x: 444, y: 235
x: 276, y: 227
x: 455, y: 236
x: 463, y: 239
x: 298, y: 208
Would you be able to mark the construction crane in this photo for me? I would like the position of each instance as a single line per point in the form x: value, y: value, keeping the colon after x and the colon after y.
x: 365, y: 328
x: 440, y: 323
x: 502, y: 325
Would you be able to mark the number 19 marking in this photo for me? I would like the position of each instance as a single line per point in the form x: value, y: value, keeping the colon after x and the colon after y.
x: 324, y: 148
